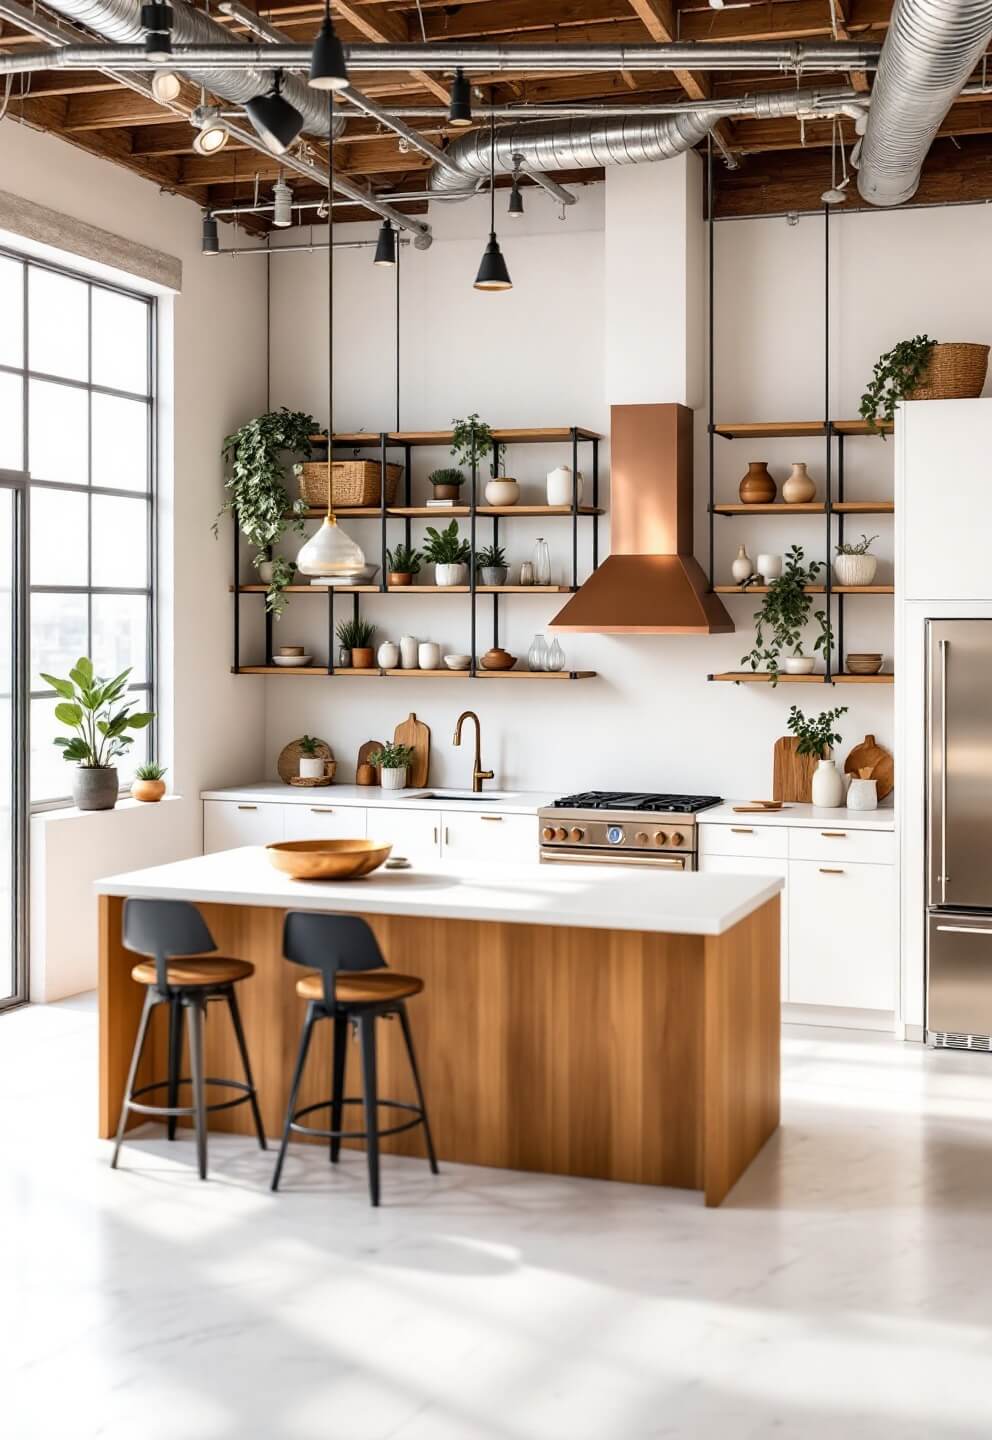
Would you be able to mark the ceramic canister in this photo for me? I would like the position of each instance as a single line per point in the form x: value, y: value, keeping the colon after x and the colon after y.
x: 560, y: 485
x: 769, y: 567
x: 862, y: 794
x: 429, y: 655
x: 311, y: 767
x: 388, y: 656
x: 409, y: 647
x: 827, y: 787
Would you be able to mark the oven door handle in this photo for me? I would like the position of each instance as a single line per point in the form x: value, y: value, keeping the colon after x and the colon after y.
x: 610, y: 857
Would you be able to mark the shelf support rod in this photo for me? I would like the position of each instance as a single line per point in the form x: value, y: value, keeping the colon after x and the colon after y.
x: 710, y: 357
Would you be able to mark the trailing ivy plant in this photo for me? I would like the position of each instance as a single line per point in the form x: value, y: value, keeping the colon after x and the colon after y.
x: 283, y: 573
x: 784, y: 613
x: 895, y: 374
x: 816, y: 735
x: 471, y: 439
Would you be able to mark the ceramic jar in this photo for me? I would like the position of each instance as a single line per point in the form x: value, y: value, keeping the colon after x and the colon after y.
x: 498, y: 659
x: 409, y: 651
x: 311, y: 767
x: 450, y: 575
x: 798, y: 489
x: 855, y: 569
x: 757, y: 487
x: 798, y: 664
x: 862, y: 794
x: 769, y: 567
x: 502, y: 492
x: 365, y: 774
x: 560, y: 485
x: 828, y: 787
x: 429, y: 655
x: 388, y: 656
x: 393, y: 779
x: 743, y: 567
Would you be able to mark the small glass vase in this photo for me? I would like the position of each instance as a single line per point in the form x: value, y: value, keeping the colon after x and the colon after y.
x: 537, y: 655
x: 542, y: 563
x: 555, y: 657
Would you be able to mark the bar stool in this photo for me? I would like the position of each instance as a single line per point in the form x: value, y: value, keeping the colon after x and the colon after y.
x: 350, y: 988
x: 175, y: 936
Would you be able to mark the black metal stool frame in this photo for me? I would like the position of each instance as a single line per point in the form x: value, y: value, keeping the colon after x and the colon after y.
x: 165, y: 930
x: 330, y: 943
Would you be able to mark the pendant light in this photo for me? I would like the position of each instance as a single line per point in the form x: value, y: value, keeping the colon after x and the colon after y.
x: 276, y: 121
x: 460, y: 105
x: 327, y: 68
x: 209, y: 240
x: 493, y: 274
x: 156, y: 22
x: 385, y: 250
x: 516, y: 206
x: 282, y: 205
x: 330, y: 555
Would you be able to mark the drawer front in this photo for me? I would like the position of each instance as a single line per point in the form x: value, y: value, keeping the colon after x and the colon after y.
x: 771, y: 841
x: 753, y: 865
x: 842, y: 934
x: 323, y: 822
x: 489, y: 837
x: 414, y: 834
x: 228, y: 824
x: 833, y: 843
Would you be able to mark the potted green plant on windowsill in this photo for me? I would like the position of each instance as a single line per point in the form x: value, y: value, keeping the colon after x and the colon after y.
x: 402, y: 564
x: 393, y: 762
x: 101, y: 717
x: 448, y: 553
x: 491, y: 565
x: 356, y: 637
x: 816, y: 737
x: 148, y: 786
x: 779, y: 624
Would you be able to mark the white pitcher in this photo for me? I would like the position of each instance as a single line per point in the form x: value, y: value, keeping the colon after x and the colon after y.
x: 560, y: 485
x: 827, y: 787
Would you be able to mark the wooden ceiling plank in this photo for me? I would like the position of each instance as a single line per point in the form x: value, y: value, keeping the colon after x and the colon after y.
x: 386, y: 27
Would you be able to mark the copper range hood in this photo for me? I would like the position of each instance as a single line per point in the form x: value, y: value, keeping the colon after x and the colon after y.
x: 650, y: 583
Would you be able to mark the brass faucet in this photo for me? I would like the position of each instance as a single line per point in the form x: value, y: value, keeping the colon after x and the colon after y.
x: 478, y: 774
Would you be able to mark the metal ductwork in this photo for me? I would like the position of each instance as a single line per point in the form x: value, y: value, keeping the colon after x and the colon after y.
x: 120, y: 21
x: 590, y: 144
x: 930, y: 50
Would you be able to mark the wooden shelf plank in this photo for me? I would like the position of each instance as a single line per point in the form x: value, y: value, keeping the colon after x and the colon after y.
x: 796, y: 429
x: 436, y: 512
x: 411, y: 589
x: 295, y: 670
x: 458, y: 512
x: 345, y: 512
x: 528, y: 435
x: 428, y: 590
x: 808, y: 590
x: 811, y: 507
x: 861, y: 427
x: 523, y: 589
x: 444, y: 674
x: 865, y: 507
x: 886, y: 678
x: 307, y: 589
x: 535, y: 674
x: 761, y: 677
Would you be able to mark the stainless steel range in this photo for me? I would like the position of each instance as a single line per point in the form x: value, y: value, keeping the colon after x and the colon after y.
x: 625, y: 828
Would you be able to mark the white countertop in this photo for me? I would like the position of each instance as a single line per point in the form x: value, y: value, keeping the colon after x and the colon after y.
x: 591, y: 897
x: 812, y: 816
x: 517, y: 802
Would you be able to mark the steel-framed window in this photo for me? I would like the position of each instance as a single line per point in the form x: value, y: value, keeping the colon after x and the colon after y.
x: 77, y: 412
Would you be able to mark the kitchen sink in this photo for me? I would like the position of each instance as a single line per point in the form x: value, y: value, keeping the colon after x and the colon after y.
x: 455, y: 795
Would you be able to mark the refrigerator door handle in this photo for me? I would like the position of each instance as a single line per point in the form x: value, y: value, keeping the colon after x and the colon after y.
x: 966, y: 930
x: 943, y: 877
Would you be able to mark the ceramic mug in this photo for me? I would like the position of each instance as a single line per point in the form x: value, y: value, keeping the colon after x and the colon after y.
x: 314, y: 767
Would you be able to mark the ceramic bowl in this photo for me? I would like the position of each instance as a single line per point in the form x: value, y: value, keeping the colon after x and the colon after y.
x: 863, y: 664
x: 498, y: 659
x: 292, y: 660
x: 458, y: 662
x: 327, y: 859
x: 799, y: 664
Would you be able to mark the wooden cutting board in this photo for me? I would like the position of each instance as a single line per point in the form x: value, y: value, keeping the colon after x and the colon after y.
x: 792, y: 774
x: 869, y: 755
x: 369, y: 748
x: 417, y: 735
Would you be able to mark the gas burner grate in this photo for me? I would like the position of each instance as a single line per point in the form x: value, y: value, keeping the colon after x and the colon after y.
x: 636, y: 800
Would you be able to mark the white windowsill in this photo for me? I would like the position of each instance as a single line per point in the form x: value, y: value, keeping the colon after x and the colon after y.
x: 69, y: 812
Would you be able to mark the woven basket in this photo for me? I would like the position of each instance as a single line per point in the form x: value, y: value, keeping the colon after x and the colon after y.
x: 356, y: 482
x: 953, y: 372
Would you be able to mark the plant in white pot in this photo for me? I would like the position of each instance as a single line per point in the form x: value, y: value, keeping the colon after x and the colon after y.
x: 393, y: 762
x: 472, y: 438
x: 779, y: 624
x: 448, y: 553
x: 95, y: 708
x: 854, y: 565
x: 816, y: 737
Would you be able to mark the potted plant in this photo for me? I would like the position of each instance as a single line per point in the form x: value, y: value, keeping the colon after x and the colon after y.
x: 95, y: 709
x: 356, y: 637
x: 447, y: 483
x: 471, y: 439
x: 816, y: 737
x: 402, y: 564
x: 923, y: 369
x: 449, y: 554
x: 491, y: 565
x: 783, y: 616
x: 854, y: 565
x: 311, y: 760
x: 392, y: 761
x: 148, y: 783
x: 256, y: 490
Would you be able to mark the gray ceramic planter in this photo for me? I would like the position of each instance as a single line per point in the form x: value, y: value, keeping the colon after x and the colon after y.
x: 95, y: 788
x: 493, y: 574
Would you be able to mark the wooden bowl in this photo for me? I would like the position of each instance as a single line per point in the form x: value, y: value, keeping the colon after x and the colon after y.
x: 863, y: 664
x: 327, y: 859
x: 498, y: 659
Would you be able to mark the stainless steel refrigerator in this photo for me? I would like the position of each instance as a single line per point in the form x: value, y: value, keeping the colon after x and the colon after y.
x: 959, y: 834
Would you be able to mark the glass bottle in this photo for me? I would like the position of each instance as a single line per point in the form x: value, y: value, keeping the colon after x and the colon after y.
x: 556, y: 656
x: 537, y: 655
x: 526, y: 573
x: 542, y: 563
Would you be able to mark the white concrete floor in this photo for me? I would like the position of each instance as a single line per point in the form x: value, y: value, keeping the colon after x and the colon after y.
x: 843, y: 1290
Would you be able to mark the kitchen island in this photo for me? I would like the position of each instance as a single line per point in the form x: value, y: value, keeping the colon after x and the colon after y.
x: 587, y: 1020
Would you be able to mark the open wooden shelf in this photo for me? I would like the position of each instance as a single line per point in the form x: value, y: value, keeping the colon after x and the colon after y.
x: 308, y: 589
x: 452, y: 512
x: 808, y: 589
x: 411, y: 589
x: 376, y: 674
x: 810, y: 507
x: 796, y: 429
x: 547, y: 435
x: 761, y: 677
x: 864, y: 507
x: 294, y: 670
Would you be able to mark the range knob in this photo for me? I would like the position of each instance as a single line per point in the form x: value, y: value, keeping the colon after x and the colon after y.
x: 548, y: 833
x: 677, y: 837
x: 641, y: 837
x: 576, y: 834
x: 660, y: 838
x: 561, y: 833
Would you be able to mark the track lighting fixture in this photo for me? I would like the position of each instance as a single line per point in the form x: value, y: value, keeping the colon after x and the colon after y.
x: 493, y: 274
x: 385, y: 250
x: 460, y: 106
x: 212, y: 133
x: 156, y: 21
x: 166, y: 86
x: 282, y: 213
x: 516, y: 206
x: 210, y: 242
x: 327, y: 68
x: 277, y: 122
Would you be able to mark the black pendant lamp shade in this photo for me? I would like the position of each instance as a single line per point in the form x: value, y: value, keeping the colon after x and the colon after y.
x: 156, y: 21
x: 516, y: 205
x: 327, y: 68
x: 385, y: 250
x: 276, y: 121
x: 210, y: 241
x: 493, y: 274
x: 460, y: 107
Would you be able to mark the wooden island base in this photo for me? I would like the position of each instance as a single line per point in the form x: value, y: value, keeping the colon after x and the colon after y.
x: 613, y: 1054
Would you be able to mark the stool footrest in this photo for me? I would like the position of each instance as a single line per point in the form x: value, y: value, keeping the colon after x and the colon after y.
x: 415, y: 1110
x: 168, y: 1110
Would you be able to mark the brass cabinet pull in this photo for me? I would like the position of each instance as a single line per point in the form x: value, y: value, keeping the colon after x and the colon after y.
x: 833, y: 834
x: 247, y: 807
x: 495, y: 819
x: 740, y: 830
x: 321, y: 809
x: 447, y: 838
x: 435, y: 834
x: 825, y: 870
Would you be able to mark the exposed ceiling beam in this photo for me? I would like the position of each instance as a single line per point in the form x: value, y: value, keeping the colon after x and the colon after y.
x: 385, y: 27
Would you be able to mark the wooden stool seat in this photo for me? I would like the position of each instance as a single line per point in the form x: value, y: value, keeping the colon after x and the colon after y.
x: 362, y: 987
x: 186, y: 974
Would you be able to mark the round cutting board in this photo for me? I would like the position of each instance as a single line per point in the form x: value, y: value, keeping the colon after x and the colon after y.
x: 874, y: 757
x: 288, y: 764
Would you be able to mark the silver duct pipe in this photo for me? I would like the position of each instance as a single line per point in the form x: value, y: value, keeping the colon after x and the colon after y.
x: 120, y: 21
x: 589, y: 144
x: 930, y: 50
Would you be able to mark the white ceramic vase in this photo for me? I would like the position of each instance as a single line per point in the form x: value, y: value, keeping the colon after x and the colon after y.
x: 311, y: 767
x: 799, y: 488
x: 828, y: 787
x: 450, y: 575
x: 743, y: 567
x: 409, y: 651
x: 429, y: 655
x: 502, y: 492
x: 769, y: 567
x: 393, y: 779
x: 862, y: 795
x: 799, y: 664
x: 855, y: 569
x: 388, y: 656
x: 560, y: 485
x: 265, y: 569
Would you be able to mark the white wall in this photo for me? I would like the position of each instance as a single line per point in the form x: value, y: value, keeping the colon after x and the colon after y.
x: 215, y: 379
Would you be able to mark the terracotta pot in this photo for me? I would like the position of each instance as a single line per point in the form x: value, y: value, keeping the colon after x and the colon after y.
x: 400, y: 577
x: 799, y: 488
x: 363, y: 658
x: 446, y: 492
x: 757, y: 487
x: 498, y: 659
x: 148, y: 790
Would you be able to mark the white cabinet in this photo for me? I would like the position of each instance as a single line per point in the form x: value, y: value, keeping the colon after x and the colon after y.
x: 228, y: 824
x: 842, y: 934
x: 413, y: 833
x: 469, y: 835
x: 755, y: 865
x: 323, y: 822
x: 945, y: 524
x: 744, y: 840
